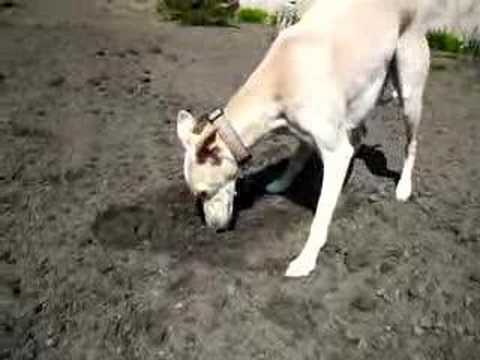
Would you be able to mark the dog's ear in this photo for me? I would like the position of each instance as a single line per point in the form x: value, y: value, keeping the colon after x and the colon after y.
x: 185, y: 125
x: 206, y: 149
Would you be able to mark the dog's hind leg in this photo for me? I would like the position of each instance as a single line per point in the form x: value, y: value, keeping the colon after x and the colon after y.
x: 294, y: 167
x: 336, y: 160
x: 413, y: 61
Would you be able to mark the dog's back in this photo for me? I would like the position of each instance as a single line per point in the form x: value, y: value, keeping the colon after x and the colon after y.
x: 325, y: 47
x: 427, y: 13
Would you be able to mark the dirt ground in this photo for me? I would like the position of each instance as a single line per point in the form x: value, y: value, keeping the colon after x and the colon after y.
x: 103, y: 254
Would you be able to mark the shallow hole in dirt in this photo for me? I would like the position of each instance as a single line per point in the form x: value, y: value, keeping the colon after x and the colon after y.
x: 364, y: 302
x: 292, y: 313
x: 168, y: 221
x: 163, y: 221
x: 121, y: 227
x: 8, y: 4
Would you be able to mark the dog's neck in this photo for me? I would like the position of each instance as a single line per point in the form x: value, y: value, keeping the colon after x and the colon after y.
x: 253, y: 114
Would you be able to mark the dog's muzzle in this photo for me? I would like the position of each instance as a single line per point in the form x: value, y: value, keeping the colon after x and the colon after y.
x: 218, y: 209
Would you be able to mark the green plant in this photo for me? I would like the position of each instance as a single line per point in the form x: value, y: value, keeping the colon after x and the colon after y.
x: 272, y: 19
x: 253, y: 16
x: 198, y: 12
x: 449, y: 42
x: 162, y: 9
x: 443, y: 40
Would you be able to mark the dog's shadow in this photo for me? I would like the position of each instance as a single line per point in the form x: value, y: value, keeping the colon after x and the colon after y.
x: 306, y: 188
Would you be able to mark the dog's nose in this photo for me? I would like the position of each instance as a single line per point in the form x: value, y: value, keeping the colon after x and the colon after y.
x: 220, y: 228
x: 200, y: 195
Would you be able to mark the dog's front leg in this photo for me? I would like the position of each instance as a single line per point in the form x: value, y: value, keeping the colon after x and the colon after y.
x: 335, y: 165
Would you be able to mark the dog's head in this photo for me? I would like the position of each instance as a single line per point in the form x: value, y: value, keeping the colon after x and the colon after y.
x: 210, y: 169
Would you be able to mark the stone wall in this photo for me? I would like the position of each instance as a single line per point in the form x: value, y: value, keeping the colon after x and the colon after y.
x: 457, y: 15
x: 461, y: 16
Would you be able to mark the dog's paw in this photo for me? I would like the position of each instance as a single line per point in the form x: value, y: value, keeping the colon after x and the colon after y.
x: 277, y: 186
x: 300, y: 267
x: 404, y: 190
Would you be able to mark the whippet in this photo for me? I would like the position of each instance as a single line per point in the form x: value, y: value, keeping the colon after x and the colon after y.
x: 319, y: 79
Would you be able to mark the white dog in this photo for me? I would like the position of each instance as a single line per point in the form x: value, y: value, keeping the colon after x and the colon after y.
x: 319, y: 79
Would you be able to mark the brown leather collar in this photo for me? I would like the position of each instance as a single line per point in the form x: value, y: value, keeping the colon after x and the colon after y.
x: 229, y: 136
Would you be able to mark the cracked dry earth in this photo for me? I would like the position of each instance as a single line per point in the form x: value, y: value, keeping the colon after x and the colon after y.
x: 103, y: 254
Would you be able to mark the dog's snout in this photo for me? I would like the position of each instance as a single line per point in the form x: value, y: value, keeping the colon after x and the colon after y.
x: 218, y: 225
